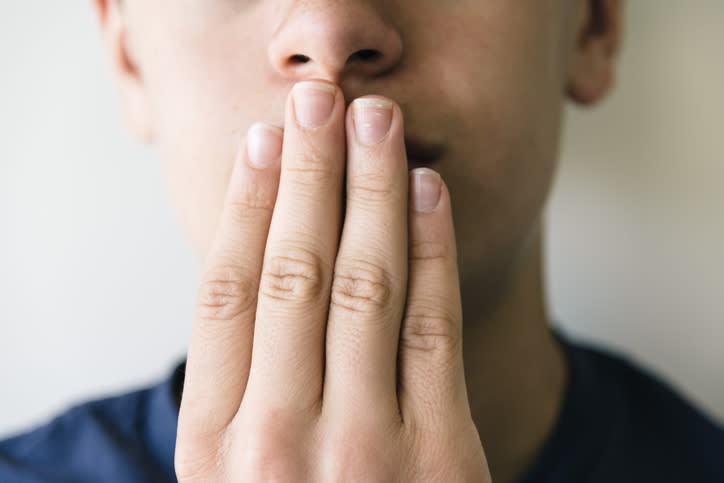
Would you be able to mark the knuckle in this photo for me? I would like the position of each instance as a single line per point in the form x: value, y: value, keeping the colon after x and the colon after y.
x: 194, y: 461
x: 225, y: 294
x: 253, y: 198
x: 313, y: 169
x: 361, y: 286
x: 429, y: 251
x: 358, y: 457
x: 296, y: 276
x: 371, y: 188
x: 430, y: 331
x: 266, y: 463
x: 270, y: 449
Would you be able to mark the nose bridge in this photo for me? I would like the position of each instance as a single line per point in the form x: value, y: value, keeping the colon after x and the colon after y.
x: 332, y: 39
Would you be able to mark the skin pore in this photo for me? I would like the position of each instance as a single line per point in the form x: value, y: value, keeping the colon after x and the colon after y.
x: 483, y: 81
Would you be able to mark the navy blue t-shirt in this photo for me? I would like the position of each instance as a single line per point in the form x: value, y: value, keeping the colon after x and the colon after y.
x: 617, y: 424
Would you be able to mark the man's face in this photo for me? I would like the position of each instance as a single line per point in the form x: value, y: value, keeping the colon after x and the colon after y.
x: 480, y: 83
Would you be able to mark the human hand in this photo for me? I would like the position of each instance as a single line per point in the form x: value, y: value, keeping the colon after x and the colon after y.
x: 320, y: 358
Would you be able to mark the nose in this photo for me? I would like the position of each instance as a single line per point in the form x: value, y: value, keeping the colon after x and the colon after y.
x: 333, y: 40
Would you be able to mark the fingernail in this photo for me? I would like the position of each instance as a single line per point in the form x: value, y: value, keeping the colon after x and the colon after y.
x: 313, y: 103
x: 425, y: 190
x: 372, y: 119
x: 264, y: 145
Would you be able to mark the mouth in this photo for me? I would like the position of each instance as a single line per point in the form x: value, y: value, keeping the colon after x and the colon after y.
x: 421, y: 153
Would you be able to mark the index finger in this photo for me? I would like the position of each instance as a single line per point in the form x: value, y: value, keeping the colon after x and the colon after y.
x: 221, y: 341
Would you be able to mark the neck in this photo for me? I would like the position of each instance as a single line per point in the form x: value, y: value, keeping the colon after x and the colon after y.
x: 515, y: 371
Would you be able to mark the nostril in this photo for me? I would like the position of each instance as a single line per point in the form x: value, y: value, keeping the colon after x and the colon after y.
x: 366, y: 55
x: 299, y: 59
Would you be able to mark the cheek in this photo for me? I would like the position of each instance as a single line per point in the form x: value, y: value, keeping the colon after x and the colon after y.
x: 198, y: 84
x: 503, y: 83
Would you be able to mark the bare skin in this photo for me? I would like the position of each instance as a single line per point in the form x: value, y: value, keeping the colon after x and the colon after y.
x: 320, y: 357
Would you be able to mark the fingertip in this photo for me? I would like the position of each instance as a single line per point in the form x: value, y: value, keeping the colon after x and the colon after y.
x: 432, y: 231
x: 373, y: 121
x: 425, y: 190
x: 239, y: 163
x: 313, y: 104
x: 445, y: 203
x: 263, y: 145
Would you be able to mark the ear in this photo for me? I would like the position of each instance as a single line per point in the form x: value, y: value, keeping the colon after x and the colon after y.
x: 125, y: 71
x: 597, y: 42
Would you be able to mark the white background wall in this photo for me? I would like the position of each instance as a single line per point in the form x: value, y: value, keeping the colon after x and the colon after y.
x: 97, y: 282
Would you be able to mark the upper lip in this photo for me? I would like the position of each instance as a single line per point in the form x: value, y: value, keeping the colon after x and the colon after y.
x: 422, y: 152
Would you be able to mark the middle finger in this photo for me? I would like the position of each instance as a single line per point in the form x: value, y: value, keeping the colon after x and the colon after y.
x: 287, y: 357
